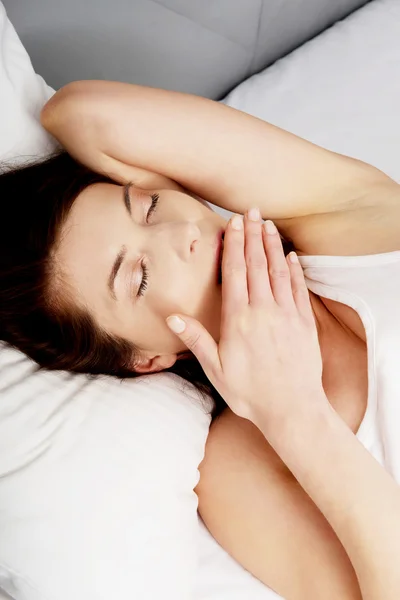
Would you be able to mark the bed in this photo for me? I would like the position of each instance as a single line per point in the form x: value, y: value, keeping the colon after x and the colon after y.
x: 83, y: 519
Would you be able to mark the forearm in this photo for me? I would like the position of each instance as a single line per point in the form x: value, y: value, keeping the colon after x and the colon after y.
x: 356, y: 495
x: 223, y: 155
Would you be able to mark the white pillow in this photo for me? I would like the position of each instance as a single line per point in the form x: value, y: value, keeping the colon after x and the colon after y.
x: 96, y: 476
x: 340, y: 90
x: 23, y: 93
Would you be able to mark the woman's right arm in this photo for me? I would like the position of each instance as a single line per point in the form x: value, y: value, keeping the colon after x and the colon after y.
x: 223, y: 155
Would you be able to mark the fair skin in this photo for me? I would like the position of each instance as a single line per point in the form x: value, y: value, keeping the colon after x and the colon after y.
x: 177, y: 241
x: 99, y: 225
x: 264, y: 497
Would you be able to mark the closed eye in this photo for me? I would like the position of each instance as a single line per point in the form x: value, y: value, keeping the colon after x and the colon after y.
x: 145, y: 270
x: 154, y: 201
x: 145, y: 279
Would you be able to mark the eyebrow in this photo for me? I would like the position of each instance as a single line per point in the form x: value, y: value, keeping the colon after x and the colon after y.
x: 126, y: 198
x: 121, y: 254
x: 114, y: 271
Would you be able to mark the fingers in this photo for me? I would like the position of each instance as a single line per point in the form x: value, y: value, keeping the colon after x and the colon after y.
x: 199, y: 341
x: 259, y: 288
x: 300, y: 291
x: 278, y: 268
x: 234, y: 283
x: 256, y: 271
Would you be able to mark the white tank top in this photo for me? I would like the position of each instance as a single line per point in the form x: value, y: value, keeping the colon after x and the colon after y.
x: 371, y: 286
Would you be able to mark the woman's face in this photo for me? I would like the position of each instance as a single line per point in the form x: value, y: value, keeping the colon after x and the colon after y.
x: 132, y: 259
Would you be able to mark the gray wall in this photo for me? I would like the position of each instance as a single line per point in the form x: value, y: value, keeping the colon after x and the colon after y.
x: 205, y: 47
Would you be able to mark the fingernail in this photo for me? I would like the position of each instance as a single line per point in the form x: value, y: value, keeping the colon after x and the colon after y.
x: 293, y: 257
x: 176, y: 324
x: 254, y: 214
x: 270, y: 227
x: 237, y: 222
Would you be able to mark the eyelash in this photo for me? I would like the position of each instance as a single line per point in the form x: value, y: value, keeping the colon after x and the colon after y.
x: 154, y: 201
x: 145, y: 278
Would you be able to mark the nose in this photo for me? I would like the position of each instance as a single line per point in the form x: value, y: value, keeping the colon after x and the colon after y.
x: 182, y: 238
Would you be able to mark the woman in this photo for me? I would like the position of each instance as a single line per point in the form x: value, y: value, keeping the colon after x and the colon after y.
x: 94, y: 267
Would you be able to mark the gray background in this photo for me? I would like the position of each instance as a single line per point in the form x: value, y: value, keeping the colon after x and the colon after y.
x: 204, y: 47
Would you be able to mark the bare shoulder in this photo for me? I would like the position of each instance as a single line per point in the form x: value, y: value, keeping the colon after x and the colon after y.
x: 369, y: 225
x: 258, y: 512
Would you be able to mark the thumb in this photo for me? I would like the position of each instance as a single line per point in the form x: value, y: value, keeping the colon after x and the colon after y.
x: 198, y: 340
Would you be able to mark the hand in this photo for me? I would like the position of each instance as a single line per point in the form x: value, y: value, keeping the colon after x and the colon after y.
x: 267, y: 364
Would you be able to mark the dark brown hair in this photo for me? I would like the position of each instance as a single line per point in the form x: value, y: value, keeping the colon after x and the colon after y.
x: 36, y: 198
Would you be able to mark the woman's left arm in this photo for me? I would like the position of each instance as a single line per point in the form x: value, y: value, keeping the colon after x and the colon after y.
x: 267, y: 365
x: 356, y: 495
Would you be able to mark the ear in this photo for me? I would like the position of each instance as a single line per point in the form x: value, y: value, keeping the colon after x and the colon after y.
x: 153, y: 365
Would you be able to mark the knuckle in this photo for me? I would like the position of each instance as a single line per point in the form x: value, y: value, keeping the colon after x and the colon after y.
x: 278, y: 272
x: 232, y: 268
x: 257, y: 262
x: 243, y: 325
x: 300, y: 291
x: 192, y: 340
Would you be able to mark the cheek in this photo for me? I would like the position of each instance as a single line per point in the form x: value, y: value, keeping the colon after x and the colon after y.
x: 171, y: 295
x: 178, y: 290
x: 149, y: 329
x: 193, y: 292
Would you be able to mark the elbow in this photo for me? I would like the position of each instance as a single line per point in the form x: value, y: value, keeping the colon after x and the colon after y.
x: 46, y: 114
x: 61, y: 98
x: 77, y: 96
x: 52, y: 106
